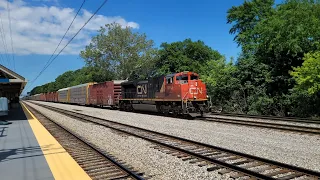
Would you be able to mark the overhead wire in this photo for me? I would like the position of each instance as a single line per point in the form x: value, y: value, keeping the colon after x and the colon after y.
x: 4, y: 42
x: 48, y: 62
x: 14, y: 66
x: 104, y: 2
x: 63, y: 36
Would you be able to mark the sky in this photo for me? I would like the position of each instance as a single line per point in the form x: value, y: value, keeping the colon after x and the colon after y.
x: 37, y: 26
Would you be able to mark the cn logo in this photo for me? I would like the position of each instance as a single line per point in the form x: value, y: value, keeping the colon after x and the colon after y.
x: 142, y: 89
x: 195, y: 90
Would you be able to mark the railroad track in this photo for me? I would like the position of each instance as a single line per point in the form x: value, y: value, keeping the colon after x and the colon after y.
x: 96, y: 163
x: 274, y: 118
x: 269, y: 125
x: 224, y: 161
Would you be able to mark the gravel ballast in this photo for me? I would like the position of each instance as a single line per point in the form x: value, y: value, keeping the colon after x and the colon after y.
x: 133, y: 151
x: 267, y: 121
x: 291, y: 148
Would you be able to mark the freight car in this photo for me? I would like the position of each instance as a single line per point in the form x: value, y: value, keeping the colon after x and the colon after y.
x: 105, y: 94
x: 36, y: 97
x: 64, y: 95
x: 79, y: 94
x: 179, y: 94
x: 52, y: 97
x: 43, y: 97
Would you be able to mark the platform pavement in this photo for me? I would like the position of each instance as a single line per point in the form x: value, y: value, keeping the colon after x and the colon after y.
x: 21, y: 157
x: 29, y: 152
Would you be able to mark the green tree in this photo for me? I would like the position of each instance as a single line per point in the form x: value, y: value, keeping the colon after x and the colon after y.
x: 72, y: 78
x: 65, y: 79
x: 120, y: 51
x: 285, y: 37
x: 276, y: 37
x: 245, y: 18
x: 217, y: 74
x: 184, y: 55
x: 253, y: 78
x: 307, y: 76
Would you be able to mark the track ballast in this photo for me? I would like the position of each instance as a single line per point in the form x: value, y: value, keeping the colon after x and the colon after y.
x: 270, y: 125
x: 235, y: 164
x: 96, y: 163
x: 272, y: 118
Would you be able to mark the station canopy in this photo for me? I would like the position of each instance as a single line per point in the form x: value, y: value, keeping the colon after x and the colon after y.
x: 11, y: 83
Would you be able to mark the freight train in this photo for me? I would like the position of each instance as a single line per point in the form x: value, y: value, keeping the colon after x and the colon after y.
x: 173, y: 94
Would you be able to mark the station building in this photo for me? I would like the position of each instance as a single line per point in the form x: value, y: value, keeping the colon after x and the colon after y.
x: 11, y: 84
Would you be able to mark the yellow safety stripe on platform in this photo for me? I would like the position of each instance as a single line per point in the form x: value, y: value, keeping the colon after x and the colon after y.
x: 61, y: 164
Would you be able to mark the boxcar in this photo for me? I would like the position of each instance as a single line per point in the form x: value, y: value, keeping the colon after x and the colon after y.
x: 43, y: 97
x: 80, y: 94
x: 106, y: 93
x: 47, y: 95
x: 64, y: 95
x: 52, y: 96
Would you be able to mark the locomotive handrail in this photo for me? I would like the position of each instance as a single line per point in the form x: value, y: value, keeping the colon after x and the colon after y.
x: 185, y: 96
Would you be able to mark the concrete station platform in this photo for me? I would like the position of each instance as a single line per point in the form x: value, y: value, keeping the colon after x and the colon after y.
x: 28, y: 151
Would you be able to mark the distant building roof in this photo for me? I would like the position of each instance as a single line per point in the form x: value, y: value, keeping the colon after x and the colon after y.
x: 11, y: 73
x: 10, y: 81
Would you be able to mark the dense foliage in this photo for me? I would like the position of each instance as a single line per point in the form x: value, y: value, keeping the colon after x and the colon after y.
x: 275, y: 39
x: 72, y: 78
x: 122, y: 52
x: 308, y: 75
x: 184, y: 56
x: 277, y: 73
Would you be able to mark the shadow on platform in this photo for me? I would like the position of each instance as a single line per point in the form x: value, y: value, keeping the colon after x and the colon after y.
x: 15, y: 114
x: 26, y: 152
x: 3, y: 131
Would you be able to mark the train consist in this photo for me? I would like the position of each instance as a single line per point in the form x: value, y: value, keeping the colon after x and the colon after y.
x: 178, y: 94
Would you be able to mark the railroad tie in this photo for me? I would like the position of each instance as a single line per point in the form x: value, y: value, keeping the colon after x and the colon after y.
x: 237, y: 175
x: 265, y: 168
x: 282, y: 171
x: 196, y: 161
x: 224, y: 171
x: 241, y: 162
x: 255, y: 164
x: 290, y: 176
x: 214, y: 167
x: 183, y: 155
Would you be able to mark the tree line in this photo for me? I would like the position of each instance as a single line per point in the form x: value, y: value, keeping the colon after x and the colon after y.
x: 277, y: 73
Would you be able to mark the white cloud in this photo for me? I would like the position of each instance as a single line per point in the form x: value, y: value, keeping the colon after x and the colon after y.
x: 39, y: 29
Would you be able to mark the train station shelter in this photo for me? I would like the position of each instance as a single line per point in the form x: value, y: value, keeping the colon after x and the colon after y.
x: 11, y: 84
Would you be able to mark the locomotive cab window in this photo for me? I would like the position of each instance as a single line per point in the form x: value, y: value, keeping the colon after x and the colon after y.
x: 183, y: 79
x: 194, y: 77
x: 169, y: 80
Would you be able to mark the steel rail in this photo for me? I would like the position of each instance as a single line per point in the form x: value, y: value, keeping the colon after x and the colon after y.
x: 108, y: 157
x: 165, y: 139
x: 275, y: 118
x: 286, y: 127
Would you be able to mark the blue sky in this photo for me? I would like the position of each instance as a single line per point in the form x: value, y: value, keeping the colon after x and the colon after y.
x: 162, y: 21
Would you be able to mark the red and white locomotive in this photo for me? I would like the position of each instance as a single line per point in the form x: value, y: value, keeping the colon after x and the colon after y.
x: 178, y: 94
